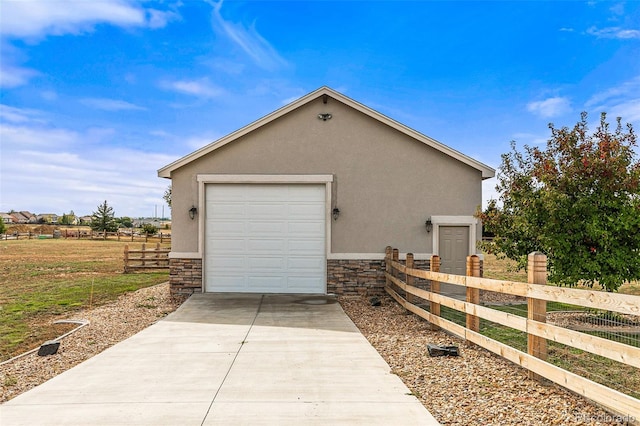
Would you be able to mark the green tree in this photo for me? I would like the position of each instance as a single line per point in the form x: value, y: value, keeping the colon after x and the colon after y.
x: 66, y: 219
x: 126, y: 222
x: 3, y: 227
x: 103, y: 219
x: 578, y: 201
x: 149, y: 229
x: 167, y: 196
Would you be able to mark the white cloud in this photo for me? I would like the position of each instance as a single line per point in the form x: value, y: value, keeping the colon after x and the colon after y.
x: 614, y: 32
x: 49, y: 169
x: 624, y: 90
x: 26, y: 136
x: 110, y: 104
x: 629, y: 111
x: 197, y: 142
x: 529, y: 138
x: 26, y: 19
x: 551, y: 107
x: 618, y: 101
x: 14, y: 76
x: 248, y: 39
x: 201, y: 88
x: 34, y: 20
x: 19, y: 115
x: 160, y: 18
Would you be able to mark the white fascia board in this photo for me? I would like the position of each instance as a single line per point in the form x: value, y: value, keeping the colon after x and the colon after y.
x: 184, y: 255
x: 487, y: 172
x: 247, y: 178
x: 373, y: 256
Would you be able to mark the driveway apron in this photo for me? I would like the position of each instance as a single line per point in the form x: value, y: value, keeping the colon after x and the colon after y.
x: 230, y: 359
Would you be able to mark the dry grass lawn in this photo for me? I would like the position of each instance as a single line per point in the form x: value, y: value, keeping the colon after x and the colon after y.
x: 44, y: 279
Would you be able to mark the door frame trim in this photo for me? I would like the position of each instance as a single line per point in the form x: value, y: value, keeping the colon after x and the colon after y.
x: 204, y: 180
x: 469, y: 221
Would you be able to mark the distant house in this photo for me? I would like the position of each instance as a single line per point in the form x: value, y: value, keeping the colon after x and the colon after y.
x: 305, y: 200
x: 31, y: 218
x: 18, y: 217
x: 7, y: 218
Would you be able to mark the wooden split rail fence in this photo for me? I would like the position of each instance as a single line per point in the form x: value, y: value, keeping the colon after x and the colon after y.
x: 145, y: 259
x: 537, y: 294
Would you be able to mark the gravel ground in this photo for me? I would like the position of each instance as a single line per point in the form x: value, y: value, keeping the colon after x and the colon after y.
x: 476, y: 388
x: 109, y: 324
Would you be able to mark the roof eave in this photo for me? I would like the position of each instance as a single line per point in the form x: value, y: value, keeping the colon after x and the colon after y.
x: 487, y: 172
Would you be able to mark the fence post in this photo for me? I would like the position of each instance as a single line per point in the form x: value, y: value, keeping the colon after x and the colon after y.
x: 157, y: 254
x: 408, y: 278
x: 387, y: 266
x: 434, y: 308
x: 473, y: 294
x: 126, y: 258
x: 144, y: 254
x: 536, y: 309
x: 395, y: 256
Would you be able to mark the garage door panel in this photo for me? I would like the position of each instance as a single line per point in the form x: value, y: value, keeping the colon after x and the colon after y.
x: 306, y: 246
x: 306, y: 211
x: 226, y: 227
x: 261, y: 227
x: 306, y: 193
x: 266, y: 264
x: 305, y: 228
x: 226, y: 210
x: 266, y: 283
x: 304, y: 263
x: 267, y: 246
x: 228, y: 263
x: 303, y: 284
x: 267, y: 210
x: 265, y: 238
x: 228, y: 245
x: 231, y: 283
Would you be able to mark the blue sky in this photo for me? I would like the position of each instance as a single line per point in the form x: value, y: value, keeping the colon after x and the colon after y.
x: 98, y: 95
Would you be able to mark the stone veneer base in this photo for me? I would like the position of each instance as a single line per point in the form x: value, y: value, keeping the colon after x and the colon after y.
x: 359, y: 276
x: 185, y: 276
x: 344, y: 277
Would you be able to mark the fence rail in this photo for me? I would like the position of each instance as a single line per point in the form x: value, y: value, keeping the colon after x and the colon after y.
x: 89, y: 235
x: 400, y: 284
x: 146, y: 258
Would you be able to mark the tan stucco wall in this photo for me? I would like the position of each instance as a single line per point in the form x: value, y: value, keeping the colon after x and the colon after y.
x: 386, y: 184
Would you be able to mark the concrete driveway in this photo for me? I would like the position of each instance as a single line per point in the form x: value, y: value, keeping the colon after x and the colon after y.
x: 230, y: 359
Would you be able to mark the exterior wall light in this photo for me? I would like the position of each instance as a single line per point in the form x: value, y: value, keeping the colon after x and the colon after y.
x: 335, y: 212
x: 324, y: 116
x: 192, y: 212
x: 429, y: 225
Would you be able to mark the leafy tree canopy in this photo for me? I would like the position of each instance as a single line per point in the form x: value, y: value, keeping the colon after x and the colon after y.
x: 103, y: 219
x: 3, y: 227
x: 578, y: 201
x: 125, y: 221
x: 149, y: 229
x: 167, y: 196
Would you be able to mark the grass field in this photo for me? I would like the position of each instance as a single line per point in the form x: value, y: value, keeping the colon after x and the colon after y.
x: 42, y: 280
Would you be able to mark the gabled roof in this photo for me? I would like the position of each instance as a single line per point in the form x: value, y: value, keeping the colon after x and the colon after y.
x: 487, y: 172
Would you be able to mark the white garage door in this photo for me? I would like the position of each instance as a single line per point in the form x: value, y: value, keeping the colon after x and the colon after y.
x: 265, y: 238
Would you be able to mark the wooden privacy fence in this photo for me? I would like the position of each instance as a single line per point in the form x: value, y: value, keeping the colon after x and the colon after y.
x: 145, y: 259
x: 537, y: 294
